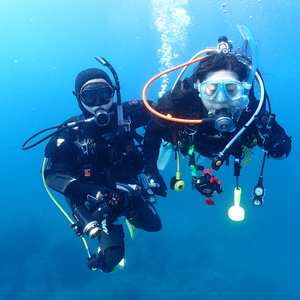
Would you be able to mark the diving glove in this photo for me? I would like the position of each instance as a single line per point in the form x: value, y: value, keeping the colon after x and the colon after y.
x: 156, y: 183
x: 272, y: 137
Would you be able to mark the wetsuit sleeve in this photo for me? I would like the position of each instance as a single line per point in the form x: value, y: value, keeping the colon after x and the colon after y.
x: 151, y: 146
x: 58, y: 171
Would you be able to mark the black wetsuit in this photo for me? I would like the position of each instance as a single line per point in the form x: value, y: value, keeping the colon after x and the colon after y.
x: 91, y: 158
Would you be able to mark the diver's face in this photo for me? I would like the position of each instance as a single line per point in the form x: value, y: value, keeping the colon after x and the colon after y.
x: 96, y: 94
x: 222, y: 90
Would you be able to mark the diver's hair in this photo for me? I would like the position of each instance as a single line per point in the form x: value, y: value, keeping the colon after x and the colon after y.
x: 180, y: 104
x: 219, y: 62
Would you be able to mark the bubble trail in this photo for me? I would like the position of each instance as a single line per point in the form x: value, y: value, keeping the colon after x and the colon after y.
x: 172, y: 21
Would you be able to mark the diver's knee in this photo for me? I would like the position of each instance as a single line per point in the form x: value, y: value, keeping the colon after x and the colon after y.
x: 112, y: 256
x: 114, y: 253
x: 158, y: 226
x: 153, y: 226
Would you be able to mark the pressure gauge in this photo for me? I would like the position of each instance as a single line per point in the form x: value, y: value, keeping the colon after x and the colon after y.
x: 258, y: 191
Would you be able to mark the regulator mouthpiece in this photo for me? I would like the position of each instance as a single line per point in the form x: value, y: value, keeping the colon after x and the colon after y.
x: 223, y: 124
x: 102, y: 118
x: 224, y: 121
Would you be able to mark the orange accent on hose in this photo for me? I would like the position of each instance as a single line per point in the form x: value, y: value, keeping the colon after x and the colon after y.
x: 170, y: 118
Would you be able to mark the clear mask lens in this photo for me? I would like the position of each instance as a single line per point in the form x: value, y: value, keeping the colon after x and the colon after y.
x: 210, y: 89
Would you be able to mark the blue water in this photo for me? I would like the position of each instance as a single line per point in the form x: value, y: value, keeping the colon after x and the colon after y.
x: 200, y: 253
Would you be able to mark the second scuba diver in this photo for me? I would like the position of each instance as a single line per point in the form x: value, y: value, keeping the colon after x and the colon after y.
x: 228, y: 119
x: 96, y: 166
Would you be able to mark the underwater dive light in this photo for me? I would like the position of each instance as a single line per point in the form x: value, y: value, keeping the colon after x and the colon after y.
x: 236, y: 212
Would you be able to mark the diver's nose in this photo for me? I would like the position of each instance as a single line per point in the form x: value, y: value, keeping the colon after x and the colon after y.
x: 221, y: 97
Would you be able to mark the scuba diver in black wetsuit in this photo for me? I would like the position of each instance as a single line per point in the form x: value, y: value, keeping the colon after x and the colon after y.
x: 214, y: 113
x: 97, y: 165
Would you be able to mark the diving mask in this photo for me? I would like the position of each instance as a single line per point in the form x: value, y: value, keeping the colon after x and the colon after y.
x: 221, y: 90
x: 233, y: 90
x: 96, y: 92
